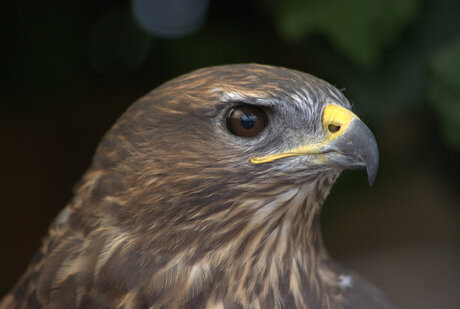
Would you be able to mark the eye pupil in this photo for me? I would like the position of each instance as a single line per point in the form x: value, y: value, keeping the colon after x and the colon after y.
x: 246, y: 120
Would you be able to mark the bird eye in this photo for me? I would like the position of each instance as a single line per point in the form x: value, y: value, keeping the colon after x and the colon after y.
x: 246, y: 120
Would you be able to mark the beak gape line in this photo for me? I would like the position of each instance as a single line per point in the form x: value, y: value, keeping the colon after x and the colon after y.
x: 348, y: 144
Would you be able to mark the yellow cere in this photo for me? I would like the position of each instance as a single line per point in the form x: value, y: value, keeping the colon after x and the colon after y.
x: 337, y: 116
x: 334, y: 115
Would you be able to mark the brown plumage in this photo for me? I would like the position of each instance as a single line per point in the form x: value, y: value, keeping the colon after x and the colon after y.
x: 179, y: 211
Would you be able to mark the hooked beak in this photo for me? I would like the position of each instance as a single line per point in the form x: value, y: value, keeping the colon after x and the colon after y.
x: 348, y: 144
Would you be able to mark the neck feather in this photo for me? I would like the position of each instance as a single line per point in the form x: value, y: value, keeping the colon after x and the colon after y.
x: 259, y: 251
x: 279, y: 250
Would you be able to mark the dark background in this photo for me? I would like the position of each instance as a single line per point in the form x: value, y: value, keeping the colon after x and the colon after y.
x: 70, y: 68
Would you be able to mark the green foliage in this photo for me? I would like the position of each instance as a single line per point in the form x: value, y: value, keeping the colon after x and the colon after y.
x: 444, y: 90
x: 358, y: 28
x: 389, y: 44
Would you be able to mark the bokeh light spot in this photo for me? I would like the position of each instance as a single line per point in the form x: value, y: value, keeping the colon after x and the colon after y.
x: 170, y: 18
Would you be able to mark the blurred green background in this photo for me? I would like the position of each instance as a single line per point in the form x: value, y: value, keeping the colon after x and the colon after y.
x: 70, y: 68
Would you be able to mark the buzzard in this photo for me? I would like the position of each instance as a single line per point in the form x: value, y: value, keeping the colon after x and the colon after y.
x: 207, y: 193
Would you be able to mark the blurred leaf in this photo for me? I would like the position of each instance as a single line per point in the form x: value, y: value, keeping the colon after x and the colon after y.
x: 444, y: 90
x: 360, y: 29
x: 393, y: 86
x: 400, y: 82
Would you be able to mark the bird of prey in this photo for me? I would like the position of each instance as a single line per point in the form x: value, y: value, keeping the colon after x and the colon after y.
x: 207, y: 193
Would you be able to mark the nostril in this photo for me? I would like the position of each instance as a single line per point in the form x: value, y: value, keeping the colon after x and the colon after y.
x: 333, y: 128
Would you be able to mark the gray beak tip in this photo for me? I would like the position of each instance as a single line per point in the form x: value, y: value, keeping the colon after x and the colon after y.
x: 371, y: 175
x: 372, y: 162
x: 358, y: 150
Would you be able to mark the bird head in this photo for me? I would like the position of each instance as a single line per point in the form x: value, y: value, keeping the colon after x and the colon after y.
x: 221, y: 143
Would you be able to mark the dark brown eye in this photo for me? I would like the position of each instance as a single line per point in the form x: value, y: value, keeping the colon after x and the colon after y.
x: 246, y: 120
